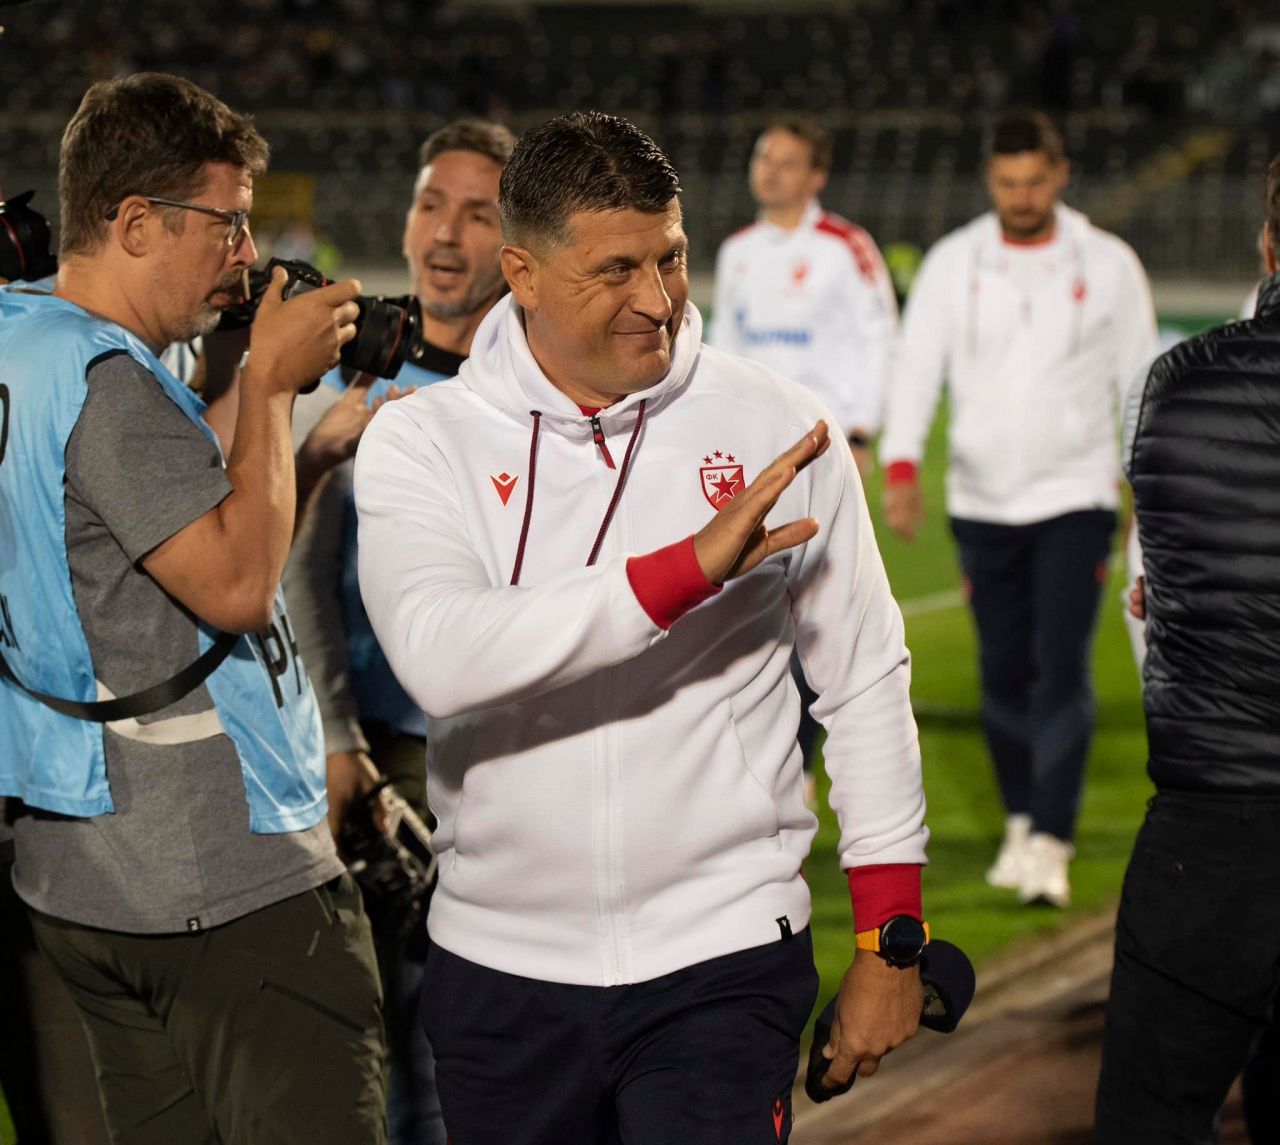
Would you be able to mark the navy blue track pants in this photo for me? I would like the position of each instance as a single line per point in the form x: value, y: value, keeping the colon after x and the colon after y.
x: 704, y: 1056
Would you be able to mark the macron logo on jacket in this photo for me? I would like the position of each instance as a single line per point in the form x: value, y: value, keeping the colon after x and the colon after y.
x: 505, y: 484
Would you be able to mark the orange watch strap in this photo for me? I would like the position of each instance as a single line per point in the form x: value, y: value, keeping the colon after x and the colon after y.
x: 870, y: 939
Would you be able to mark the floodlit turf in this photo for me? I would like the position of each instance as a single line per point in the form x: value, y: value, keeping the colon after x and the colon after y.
x: 964, y: 813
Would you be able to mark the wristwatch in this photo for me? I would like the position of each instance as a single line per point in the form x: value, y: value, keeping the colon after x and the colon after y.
x: 899, y: 941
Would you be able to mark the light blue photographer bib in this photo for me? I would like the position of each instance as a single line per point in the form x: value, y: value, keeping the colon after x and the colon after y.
x: 261, y: 693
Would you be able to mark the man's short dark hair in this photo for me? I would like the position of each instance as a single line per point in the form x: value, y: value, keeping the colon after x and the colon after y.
x: 584, y: 161
x: 1023, y: 130
x: 807, y: 131
x: 492, y: 140
x: 144, y: 134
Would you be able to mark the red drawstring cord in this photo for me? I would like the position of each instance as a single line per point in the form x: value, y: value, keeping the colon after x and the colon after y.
x: 613, y: 503
x: 528, y: 501
x: 617, y: 489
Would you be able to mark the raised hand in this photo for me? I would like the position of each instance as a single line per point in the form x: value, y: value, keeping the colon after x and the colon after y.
x: 736, y: 540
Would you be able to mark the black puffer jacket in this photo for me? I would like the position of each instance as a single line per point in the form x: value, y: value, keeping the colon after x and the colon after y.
x: 1205, y: 466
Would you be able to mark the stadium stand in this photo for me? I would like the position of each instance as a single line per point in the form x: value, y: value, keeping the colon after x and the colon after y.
x: 346, y: 90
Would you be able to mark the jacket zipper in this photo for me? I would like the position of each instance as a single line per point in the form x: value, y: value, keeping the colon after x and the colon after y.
x: 597, y: 435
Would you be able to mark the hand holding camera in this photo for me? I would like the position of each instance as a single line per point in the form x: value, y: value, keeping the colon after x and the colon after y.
x: 385, y: 329
x: 294, y: 342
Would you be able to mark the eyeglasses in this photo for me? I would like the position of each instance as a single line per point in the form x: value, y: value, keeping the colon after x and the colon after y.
x: 237, y: 221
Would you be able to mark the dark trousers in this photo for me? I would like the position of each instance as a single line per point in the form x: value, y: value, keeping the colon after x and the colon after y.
x: 45, y: 1069
x: 413, y: 1106
x: 264, y: 1031
x: 1034, y: 591
x: 704, y: 1056
x: 1194, y: 985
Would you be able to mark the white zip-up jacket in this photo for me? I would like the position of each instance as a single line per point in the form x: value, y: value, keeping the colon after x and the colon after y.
x: 1036, y: 372
x: 618, y: 799
x: 816, y: 304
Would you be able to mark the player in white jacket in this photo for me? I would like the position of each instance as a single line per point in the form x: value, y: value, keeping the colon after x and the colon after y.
x: 805, y: 291
x: 619, y: 936
x: 1039, y: 322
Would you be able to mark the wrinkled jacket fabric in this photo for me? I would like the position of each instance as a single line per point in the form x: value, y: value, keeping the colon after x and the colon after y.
x: 1205, y: 467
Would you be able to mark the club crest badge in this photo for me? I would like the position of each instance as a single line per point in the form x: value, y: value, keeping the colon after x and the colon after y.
x: 722, y: 479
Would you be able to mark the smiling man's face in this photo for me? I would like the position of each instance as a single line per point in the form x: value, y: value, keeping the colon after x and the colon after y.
x: 602, y: 309
x: 452, y: 235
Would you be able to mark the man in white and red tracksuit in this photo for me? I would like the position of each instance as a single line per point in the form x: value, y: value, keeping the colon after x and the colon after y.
x: 805, y: 291
x: 1038, y: 321
x: 588, y: 558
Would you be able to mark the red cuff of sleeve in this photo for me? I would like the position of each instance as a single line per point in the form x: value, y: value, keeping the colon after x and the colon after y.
x: 900, y: 472
x: 669, y: 582
x: 880, y: 892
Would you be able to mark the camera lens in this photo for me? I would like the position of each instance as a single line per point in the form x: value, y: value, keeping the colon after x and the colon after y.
x: 24, y: 241
x: 382, y: 338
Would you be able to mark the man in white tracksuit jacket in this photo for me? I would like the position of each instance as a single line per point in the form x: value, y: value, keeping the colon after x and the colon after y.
x: 806, y: 291
x: 1039, y: 322
x: 619, y: 936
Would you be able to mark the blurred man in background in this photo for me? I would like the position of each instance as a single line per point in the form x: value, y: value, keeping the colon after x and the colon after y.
x: 452, y: 237
x: 171, y: 843
x: 1039, y: 322
x: 805, y: 291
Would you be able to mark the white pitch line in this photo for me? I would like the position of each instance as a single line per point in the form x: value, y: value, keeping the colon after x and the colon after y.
x: 933, y: 602
x: 954, y: 597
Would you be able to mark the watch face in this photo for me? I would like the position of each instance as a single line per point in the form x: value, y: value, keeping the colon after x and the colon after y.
x: 902, y: 939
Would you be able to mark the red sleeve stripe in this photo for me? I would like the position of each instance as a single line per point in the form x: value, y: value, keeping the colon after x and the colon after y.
x: 669, y: 582
x: 859, y: 243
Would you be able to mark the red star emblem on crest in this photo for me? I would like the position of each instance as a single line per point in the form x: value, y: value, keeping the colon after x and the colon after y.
x: 799, y: 273
x: 721, y: 483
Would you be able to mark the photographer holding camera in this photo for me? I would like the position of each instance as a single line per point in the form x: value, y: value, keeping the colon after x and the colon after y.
x: 173, y: 849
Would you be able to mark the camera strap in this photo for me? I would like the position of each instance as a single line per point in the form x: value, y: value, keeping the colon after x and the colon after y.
x: 142, y: 703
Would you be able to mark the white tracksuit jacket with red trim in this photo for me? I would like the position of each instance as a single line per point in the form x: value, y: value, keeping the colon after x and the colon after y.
x: 816, y: 304
x: 615, y: 800
x: 1036, y: 376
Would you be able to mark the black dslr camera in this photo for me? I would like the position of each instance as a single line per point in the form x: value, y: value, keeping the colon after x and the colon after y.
x: 384, y: 330
x: 24, y: 241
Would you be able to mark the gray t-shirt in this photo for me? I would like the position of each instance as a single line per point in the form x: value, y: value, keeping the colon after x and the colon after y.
x: 177, y: 854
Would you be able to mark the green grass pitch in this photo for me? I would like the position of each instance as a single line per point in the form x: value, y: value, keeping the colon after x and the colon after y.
x: 964, y: 812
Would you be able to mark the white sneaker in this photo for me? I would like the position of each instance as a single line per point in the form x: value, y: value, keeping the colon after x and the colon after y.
x: 1044, y: 878
x: 1011, y: 858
